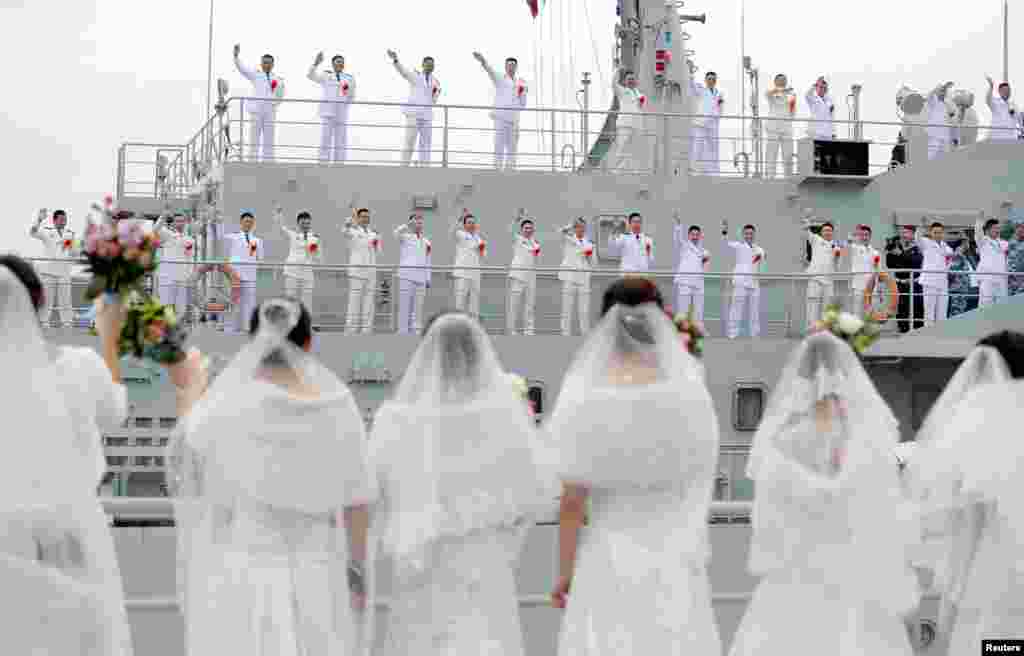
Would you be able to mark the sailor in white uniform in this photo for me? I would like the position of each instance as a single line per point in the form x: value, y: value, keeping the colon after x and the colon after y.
x: 244, y: 250
x: 577, y: 262
x: 940, y: 120
x: 58, y: 244
x: 629, y: 153
x: 704, y: 140
x: 690, y: 268
x: 364, y: 245
x: 993, y: 252
x: 634, y: 248
x: 262, y: 113
x: 305, y: 248
x: 522, y: 277
x: 178, y: 248
x: 779, y: 128
x: 823, y: 109
x: 413, y: 280
x: 510, y: 93
x: 1006, y: 119
x: 825, y: 254
x: 865, y: 263
x: 470, y: 250
x: 746, y: 289
x: 337, y: 90
x: 935, y: 279
x: 424, y: 90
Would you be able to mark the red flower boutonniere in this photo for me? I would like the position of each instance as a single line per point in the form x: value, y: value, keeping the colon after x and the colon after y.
x: 757, y: 259
x: 588, y: 252
x: 536, y: 251
x: 252, y: 248
x: 949, y: 260
x: 792, y: 104
x: 721, y: 101
x: 877, y: 260
x: 429, y: 247
x: 313, y: 248
x: 67, y: 244
x: 647, y: 248
x: 374, y: 243
x: 273, y: 85
x: 1005, y: 247
x: 837, y: 252
x: 642, y: 101
x: 344, y: 88
x: 520, y: 89
x: 189, y: 245
x: 705, y: 259
x: 482, y: 248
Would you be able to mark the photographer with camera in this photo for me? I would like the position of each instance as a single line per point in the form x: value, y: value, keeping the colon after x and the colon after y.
x: 902, y: 253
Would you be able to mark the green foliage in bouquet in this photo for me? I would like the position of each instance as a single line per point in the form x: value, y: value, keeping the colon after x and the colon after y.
x: 151, y: 331
x: 857, y: 332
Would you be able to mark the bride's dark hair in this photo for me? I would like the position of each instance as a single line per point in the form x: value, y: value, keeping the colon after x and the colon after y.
x: 26, y: 274
x: 1010, y: 345
x: 631, y: 291
x: 459, y: 352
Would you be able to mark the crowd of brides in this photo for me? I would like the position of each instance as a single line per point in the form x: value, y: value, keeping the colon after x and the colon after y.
x: 295, y: 526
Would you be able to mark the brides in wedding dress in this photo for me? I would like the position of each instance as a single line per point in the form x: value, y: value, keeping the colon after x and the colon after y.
x: 637, y: 439
x: 456, y: 457
x: 831, y: 531
x: 272, y: 480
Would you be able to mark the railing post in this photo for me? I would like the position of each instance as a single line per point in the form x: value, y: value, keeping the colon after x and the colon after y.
x: 119, y: 181
x: 444, y: 140
x: 241, y: 128
x: 553, y: 168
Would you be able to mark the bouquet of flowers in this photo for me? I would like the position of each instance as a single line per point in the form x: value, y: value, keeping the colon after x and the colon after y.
x: 691, y: 331
x: 858, y: 333
x: 151, y: 331
x: 120, y: 252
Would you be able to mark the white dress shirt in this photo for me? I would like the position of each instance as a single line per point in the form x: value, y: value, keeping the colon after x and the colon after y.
x: 467, y: 253
x: 862, y: 263
x: 937, y: 257
x: 59, y: 245
x: 823, y: 257
x: 264, y: 85
x: 746, y: 254
x: 992, y: 252
x: 334, y: 86
x: 175, y: 246
x: 574, y: 256
x: 940, y: 114
x: 304, y: 248
x: 244, y: 248
x: 423, y: 90
x: 781, y: 106
x: 525, y: 253
x: 509, y: 95
x: 692, y: 260
x: 636, y: 251
x: 1005, y: 117
x: 364, y: 244
x: 414, y: 251
x: 709, y: 104
x: 822, y: 112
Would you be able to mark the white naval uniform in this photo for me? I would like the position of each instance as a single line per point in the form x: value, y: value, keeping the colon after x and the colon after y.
x: 262, y: 113
x: 704, y: 139
x: 414, y: 251
x: 467, y: 281
x: 635, y: 250
x: 689, y: 280
x: 364, y: 244
x: 419, y: 121
x: 823, y: 109
x: 1006, y: 119
x: 863, y: 268
x: 821, y: 288
x: 174, y: 277
x: 304, y: 249
x: 56, y: 276
x: 940, y: 124
x: 993, y: 253
x: 522, y: 284
x: 746, y: 289
x: 575, y: 284
x: 937, y: 256
x: 779, y: 131
x: 509, y: 98
x: 243, y: 251
x: 630, y: 150
x: 341, y: 88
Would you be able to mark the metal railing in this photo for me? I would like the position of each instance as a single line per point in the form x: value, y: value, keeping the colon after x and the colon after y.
x: 786, y: 304
x: 549, y: 139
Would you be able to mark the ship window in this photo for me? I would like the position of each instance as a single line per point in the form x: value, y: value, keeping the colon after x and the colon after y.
x: 748, y: 406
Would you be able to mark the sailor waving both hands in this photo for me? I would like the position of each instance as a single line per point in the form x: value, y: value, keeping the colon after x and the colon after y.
x: 58, y: 244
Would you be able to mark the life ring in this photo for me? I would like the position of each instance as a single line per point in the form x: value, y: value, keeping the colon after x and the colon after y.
x: 893, y: 297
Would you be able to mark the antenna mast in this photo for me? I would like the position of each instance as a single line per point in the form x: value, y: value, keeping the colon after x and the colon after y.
x: 1006, y: 40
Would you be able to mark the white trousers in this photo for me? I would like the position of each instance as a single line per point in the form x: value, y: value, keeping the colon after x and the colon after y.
x: 772, y: 144
x: 993, y: 289
x: 579, y: 295
x: 687, y: 297
x: 818, y: 293
x: 745, y: 298
x: 857, y: 300
x: 361, y: 299
x: 506, y: 143
x: 301, y: 289
x: 521, y: 295
x: 261, y: 137
x: 410, y: 306
x: 240, y: 319
x: 334, y: 138
x: 57, y: 296
x: 626, y: 141
x: 936, y: 147
x: 936, y: 304
x: 467, y: 296
x: 423, y: 129
x: 704, y: 149
x: 174, y: 292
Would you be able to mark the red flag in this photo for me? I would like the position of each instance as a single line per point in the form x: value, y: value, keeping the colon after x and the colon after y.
x: 534, y: 6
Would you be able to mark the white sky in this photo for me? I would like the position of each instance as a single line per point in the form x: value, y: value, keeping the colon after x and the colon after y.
x: 82, y: 76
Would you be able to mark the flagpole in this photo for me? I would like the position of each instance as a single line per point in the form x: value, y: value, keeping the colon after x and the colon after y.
x: 209, y: 69
x: 1006, y: 40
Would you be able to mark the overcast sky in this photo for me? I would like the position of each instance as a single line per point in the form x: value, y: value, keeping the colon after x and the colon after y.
x: 82, y: 76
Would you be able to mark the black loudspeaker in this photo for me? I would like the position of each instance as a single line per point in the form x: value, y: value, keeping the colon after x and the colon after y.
x: 841, y: 157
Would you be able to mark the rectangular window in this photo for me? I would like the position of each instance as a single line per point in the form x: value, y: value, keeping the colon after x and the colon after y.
x: 748, y: 406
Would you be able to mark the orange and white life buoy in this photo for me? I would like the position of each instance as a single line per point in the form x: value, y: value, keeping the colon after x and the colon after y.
x: 892, y: 297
